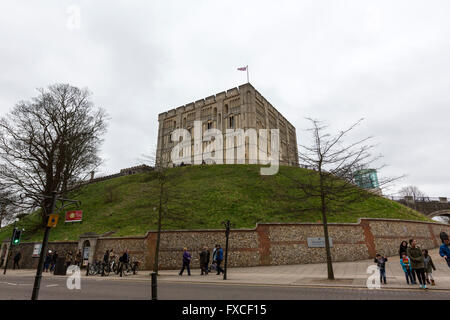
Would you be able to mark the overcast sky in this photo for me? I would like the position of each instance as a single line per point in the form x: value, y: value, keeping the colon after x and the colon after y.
x: 337, y: 61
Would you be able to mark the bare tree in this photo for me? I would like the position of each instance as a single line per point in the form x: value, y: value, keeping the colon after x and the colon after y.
x: 331, y: 185
x: 161, y: 167
x: 8, y: 208
x: 50, y: 143
x: 412, y: 191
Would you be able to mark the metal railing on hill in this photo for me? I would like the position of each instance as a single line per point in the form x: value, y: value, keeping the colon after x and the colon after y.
x: 418, y: 199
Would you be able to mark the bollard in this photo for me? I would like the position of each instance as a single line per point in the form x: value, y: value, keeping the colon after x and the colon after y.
x: 154, y: 287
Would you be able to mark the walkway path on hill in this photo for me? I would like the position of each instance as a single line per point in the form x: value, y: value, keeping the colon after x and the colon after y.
x: 348, y: 274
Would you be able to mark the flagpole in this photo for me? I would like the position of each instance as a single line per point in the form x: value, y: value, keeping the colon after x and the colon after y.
x: 248, y: 79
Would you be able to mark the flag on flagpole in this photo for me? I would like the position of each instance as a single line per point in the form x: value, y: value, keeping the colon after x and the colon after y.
x: 245, y: 69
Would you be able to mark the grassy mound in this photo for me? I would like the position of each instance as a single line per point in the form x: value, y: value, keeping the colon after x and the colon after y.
x: 201, y: 197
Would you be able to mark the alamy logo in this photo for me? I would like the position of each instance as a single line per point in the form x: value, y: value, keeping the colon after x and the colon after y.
x: 373, y: 282
x: 209, y: 147
x: 74, y: 278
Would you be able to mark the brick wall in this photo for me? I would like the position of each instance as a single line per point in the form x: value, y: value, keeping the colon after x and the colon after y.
x: 270, y: 244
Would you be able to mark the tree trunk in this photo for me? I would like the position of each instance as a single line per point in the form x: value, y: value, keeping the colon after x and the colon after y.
x: 158, y: 236
x: 325, y: 227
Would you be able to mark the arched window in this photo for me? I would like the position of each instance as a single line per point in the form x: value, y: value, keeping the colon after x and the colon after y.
x: 226, y: 109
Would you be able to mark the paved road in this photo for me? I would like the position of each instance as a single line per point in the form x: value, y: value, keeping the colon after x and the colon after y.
x: 20, y: 287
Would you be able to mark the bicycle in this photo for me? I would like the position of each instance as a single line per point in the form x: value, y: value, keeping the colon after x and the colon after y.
x: 95, y: 268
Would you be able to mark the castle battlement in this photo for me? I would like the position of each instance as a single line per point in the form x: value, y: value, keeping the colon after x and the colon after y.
x: 241, y: 107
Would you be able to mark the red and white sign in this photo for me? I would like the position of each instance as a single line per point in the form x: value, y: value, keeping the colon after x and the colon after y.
x: 74, y: 216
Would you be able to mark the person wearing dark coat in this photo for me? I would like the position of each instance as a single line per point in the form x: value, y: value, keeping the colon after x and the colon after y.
x: 417, y: 262
x: 17, y: 258
x: 53, y: 262
x: 381, y: 264
x: 48, y: 260
x: 105, y: 262
x: 403, y: 248
x: 204, y: 261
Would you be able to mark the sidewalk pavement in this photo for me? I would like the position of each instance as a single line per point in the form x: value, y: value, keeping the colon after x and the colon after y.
x: 347, y: 275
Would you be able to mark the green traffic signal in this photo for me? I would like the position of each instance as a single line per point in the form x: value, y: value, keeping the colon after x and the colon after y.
x: 16, y: 236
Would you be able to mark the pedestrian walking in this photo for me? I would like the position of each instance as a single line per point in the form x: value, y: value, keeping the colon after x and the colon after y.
x: 406, y: 265
x: 204, y: 261
x: 105, y: 262
x: 213, y: 266
x: 417, y: 262
x: 403, y: 249
x: 78, y: 258
x: 124, y: 260
x: 381, y: 264
x: 69, y: 259
x: 219, y: 258
x: 186, y: 262
x: 112, y: 256
x: 429, y: 267
x: 17, y: 258
x: 48, y: 260
x: 53, y: 263
x: 444, y: 250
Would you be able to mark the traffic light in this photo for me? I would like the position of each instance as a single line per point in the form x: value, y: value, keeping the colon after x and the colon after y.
x: 16, y: 236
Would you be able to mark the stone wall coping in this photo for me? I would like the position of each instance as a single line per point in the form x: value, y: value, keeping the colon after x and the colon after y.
x: 276, y: 224
x: 50, y: 242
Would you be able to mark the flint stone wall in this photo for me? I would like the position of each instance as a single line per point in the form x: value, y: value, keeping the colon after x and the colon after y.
x: 267, y: 244
x: 26, y: 249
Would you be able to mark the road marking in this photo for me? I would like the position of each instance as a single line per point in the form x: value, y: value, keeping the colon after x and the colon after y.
x: 52, y: 285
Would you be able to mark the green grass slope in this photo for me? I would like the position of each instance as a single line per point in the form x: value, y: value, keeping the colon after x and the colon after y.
x: 200, y: 197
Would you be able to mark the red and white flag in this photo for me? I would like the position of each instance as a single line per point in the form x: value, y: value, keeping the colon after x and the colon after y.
x: 243, y: 69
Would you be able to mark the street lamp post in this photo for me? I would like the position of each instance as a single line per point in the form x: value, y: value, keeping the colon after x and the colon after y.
x: 40, y: 268
x: 43, y: 253
x: 10, y: 246
x: 227, y: 225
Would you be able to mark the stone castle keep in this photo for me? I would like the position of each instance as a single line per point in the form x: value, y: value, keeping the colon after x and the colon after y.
x: 238, y: 108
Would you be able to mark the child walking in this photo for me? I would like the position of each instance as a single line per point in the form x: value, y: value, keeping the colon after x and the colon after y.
x: 381, y: 263
x: 429, y: 267
x: 406, y: 265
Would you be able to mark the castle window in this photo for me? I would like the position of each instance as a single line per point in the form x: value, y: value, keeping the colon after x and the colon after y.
x: 226, y: 109
x: 210, y: 125
x: 231, y: 122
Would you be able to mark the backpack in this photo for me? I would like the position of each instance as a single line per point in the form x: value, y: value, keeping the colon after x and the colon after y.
x: 443, y: 236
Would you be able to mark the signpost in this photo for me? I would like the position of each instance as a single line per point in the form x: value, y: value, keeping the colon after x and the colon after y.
x: 74, y: 216
x: 37, y: 250
x: 227, y: 225
x: 52, y: 220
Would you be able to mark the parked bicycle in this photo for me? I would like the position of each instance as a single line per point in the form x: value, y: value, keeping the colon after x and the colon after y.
x: 129, y: 268
x: 95, y: 268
